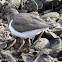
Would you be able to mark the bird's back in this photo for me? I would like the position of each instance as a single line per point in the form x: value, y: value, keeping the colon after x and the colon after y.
x: 26, y: 22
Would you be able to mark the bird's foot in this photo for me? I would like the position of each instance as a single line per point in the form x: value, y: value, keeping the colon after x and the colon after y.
x: 41, y: 34
x: 21, y: 46
x: 25, y: 46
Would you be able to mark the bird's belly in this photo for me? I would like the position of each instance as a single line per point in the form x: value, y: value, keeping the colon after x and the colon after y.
x: 32, y: 33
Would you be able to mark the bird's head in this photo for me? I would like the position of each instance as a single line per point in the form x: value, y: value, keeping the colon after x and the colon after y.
x: 10, y: 13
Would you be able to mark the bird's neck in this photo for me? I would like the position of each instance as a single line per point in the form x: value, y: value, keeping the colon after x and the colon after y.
x: 9, y: 17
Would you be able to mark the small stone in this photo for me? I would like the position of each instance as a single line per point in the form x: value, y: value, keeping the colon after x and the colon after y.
x: 31, y: 5
x: 45, y: 58
x: 7, y: 56
x: 28, y: 57
x: 60, y: 59
x: 7, y: 35
x: 0, y: 15
x: 49, y: 35
x: 47, y: 11
x: 13, y: 3
x: 41, y: 43
x: 2, y: 2
x: 10, y: 4
x: 0, y: 21
x: 57, y: 31
x: 56, y: 49
x: 60, y: 21
x: 53, y: 15
x: 0, y: 6
x: 61, y: 35
x: 55, y: 41
x: 3, y: 45
x: 49, y: 0
x: 40, y: 4
x: 23, y: 3
x: 60, y: 11
x: 57, y: 25
x: 44, y: 51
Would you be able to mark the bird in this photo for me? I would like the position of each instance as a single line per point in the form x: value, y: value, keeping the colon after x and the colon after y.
x: 25, y: 25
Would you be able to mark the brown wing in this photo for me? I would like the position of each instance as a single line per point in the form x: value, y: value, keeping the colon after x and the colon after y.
x: 26, y: 22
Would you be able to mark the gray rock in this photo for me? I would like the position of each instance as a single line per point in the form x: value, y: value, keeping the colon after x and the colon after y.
x: 60, y: 11
x: 41, y: 43
x: 23, y: 3
x: 55, y: 42
x: 56, y: 49
x: 45, y: 58
x: 47, y: 11
x: 0, y: 7
x: 3, y: 45
x: 28, y: 57
x: 52, y: 21
x: 2, y: 4
x: 57, y: 4
x: 57, y: 25
x: 61, y: 35
x: 3, y: 1
x: 31, y: 5
x: 44, y: 51
x: 6, y: 55
x: 60, y: 21
x: 57, y: 31
x: 50, y: 35
x: 42, y: 1
x: 49, y: 0
x: 45, y: 1
x: 53, y: 15
x: 1, y: 15
x: 10, y: 4
x: 40, y: 4
x: 13, y: 4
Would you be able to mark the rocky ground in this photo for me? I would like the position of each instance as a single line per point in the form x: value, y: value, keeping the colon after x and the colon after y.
x: 48, y: 48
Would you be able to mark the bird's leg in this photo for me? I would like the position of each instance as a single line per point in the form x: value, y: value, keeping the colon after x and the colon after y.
x: 29, y: 42
x: 25, y: 45
x: 41, y: 34
x: 23, y: 42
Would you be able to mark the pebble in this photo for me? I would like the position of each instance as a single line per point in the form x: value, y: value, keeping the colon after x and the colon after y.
x: 40, y: 4
x: 45, y: 58
x: 3, y: 45
x: 53, y: 15
x: 31, y: 5
x: 28, y: 57
x: 61, y: 35
x: 41, y: 43
x: 60, y: 21
x: 54, y: 42
x: 56, y: 49
x: 57, y: 31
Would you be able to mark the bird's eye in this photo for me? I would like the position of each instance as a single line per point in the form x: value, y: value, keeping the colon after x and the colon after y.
x: 10, y: 12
